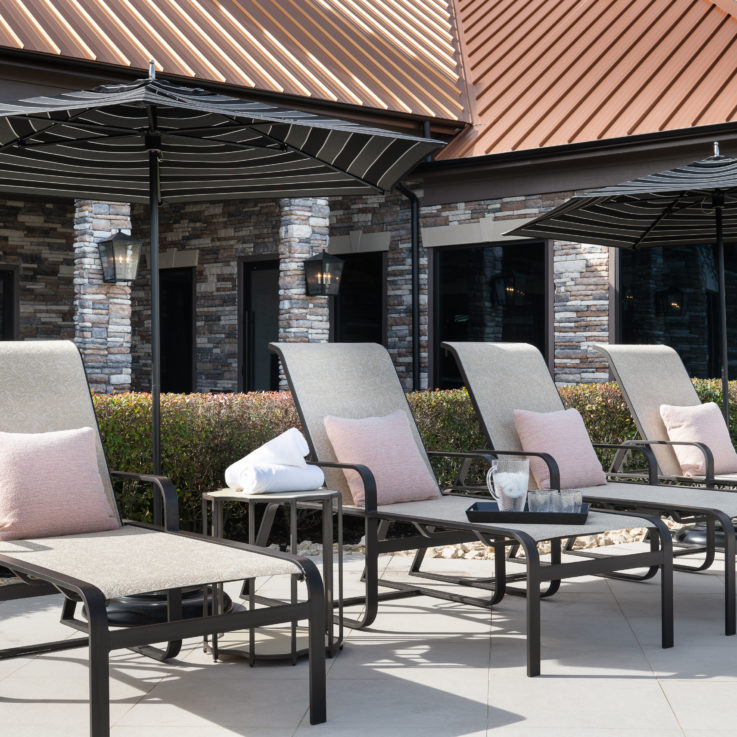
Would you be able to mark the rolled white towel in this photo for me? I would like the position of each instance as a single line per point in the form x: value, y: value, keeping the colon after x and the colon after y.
x: 258, y: 479
x: 287, y: 449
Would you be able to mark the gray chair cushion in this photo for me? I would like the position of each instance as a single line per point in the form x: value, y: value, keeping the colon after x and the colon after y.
x: 135, y: 560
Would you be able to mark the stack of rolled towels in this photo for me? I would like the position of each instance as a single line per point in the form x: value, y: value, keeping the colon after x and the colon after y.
x: 278, y: 465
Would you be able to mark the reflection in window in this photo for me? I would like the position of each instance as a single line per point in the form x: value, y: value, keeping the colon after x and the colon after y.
x: 7, y: 305
x: 488, y: 293
x: 670, y: 296
x: 358, y: 315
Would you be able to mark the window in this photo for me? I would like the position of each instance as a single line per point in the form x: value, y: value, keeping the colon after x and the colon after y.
x: 260, y: 325
x: 670, y: 296
x: 489, y: 293
x: 8, y: 304
x: 358, y: 310
x: 177, y: 305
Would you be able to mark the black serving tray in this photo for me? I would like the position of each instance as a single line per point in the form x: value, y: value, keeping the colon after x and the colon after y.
x: 489, y: 512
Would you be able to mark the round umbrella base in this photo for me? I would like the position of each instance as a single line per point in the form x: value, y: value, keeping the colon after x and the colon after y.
x: 269, y: 644
x: 696, y: 535
x: 130, y: 611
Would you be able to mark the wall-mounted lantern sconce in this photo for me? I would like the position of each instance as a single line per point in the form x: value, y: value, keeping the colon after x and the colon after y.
x: 508, y: 289
x: 322, y: 274
x: 671, y: 302
x: 120, y: 256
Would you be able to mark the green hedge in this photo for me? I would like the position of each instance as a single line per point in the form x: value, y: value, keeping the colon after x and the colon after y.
x: 201, y: 434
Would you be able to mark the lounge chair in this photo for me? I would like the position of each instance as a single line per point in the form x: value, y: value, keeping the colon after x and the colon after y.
x: 358, y: 380
x: 651, y: 375
x: 503, y: 377
x: 43, y: 389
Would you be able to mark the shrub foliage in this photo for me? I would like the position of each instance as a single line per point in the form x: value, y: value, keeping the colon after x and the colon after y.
x: 202, y: 434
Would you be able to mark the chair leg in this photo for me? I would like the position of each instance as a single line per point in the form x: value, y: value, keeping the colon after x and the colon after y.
x: 172, y: 649
x: 99, y: 666
x: 316, y: 646
x: 730, y: 546
x: 533, y: 610
x: 710, y: 550
x: 666, y: 589
x: 372, y: 572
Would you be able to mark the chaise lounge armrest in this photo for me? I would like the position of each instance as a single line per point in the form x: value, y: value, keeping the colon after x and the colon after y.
x: 652, y: 463
x: 367, y: 479
x: 487, y: 455
x: 167, y: 495
x: 708, y: 455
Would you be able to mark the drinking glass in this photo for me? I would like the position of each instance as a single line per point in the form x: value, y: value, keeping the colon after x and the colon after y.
x: 570, y: 501
x: 540, y: 500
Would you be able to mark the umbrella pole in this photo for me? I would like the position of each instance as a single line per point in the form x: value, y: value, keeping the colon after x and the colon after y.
x: 722, y: 307
x: 153, y: 198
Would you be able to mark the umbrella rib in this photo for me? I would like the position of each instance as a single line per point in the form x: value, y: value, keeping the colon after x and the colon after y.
x: 236, y: 144
x: 20, y: 140
x: 663, y: 215
x: 80, y: 124
x: 71, y: 141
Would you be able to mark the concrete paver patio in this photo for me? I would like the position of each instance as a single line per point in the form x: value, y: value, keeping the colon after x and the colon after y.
x: 425, y: 667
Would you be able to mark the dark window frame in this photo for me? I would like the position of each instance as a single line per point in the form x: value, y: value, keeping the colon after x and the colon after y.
x: 617, y: 316
x: 434, y: 292
x: 10, y: 329
x: 332, y: 304
x: 243, y: 334
x: 193, y: 271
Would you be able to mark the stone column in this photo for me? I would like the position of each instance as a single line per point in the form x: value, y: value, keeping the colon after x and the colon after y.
x: 102, y: 312
x: 303, y: 232
x: 581, y: 311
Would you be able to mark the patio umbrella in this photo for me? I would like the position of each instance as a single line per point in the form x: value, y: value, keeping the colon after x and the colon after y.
x: 694, y: 204
x: 156, y: 142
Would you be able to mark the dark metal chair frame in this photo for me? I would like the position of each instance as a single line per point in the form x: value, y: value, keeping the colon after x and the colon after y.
x: 685, y: 513
x: 435, y: 532
x: 101, y: 638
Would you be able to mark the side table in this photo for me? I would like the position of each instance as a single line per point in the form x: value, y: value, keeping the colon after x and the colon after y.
x: 269, y: 643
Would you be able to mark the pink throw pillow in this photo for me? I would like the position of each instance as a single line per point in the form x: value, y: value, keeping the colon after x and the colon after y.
x: 563, y: 435
x: 50, y: 485
x: 699, y: 423
x: 386, y: 445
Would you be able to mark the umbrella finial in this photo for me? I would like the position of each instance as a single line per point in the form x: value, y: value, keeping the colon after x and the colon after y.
x: 716, y: 148
x: 151, y: 70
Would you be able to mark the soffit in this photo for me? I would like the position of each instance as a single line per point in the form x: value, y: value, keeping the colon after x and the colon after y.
x: 395, y: 55
x: 555, y: 72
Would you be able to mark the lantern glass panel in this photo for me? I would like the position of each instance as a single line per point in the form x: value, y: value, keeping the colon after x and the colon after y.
x: 120, y: 256
x: 322, y: 274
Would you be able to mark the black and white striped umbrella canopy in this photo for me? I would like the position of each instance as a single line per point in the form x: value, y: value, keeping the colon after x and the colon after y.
x: 95, y: 144
x: 670, y: 208
x: 691, y: 205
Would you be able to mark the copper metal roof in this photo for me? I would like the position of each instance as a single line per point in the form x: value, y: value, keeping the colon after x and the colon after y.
x: 398, y: 55
x: 554, y: 72
x: 534, y: 74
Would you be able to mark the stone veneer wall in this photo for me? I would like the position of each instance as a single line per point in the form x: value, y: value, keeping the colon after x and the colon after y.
x: 223, y: 232
x: 377, y: 213
x: 102, y: 316
x: 36, y: 238
x: 294, y: 229
x: 581, y: 311
x: 303, y: 232
x: 580, y: 273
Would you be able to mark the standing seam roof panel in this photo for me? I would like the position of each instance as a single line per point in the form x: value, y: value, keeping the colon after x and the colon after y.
x: 397, y: 55
x: 536, y: 85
